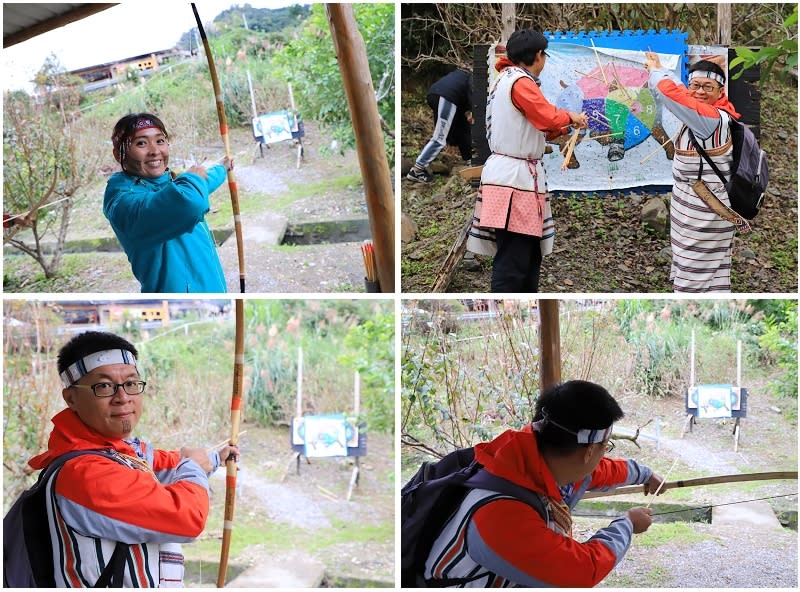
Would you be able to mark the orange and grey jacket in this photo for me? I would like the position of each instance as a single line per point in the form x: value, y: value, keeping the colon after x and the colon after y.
x: 95, y: 501
x: 507, y: 543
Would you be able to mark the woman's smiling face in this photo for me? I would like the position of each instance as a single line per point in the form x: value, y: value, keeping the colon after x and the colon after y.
x: 148, y: 153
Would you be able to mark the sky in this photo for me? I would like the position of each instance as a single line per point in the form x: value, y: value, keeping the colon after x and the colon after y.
x: 125, y: 30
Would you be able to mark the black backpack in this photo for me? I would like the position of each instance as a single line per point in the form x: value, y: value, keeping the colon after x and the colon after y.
x: 749, y: 171
x: 27, y: 548
x: 429, y: 500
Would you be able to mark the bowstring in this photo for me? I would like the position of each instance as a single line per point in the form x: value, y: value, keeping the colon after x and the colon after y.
x: 707, y: 506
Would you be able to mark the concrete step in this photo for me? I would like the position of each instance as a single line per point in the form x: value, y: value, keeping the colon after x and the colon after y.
x: 748, y: 515
x: 281, y: 571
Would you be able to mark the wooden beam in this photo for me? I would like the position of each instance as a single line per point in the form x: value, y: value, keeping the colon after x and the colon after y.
x: 65, y: 18
x: 351, y: 53
x: 549, y: 344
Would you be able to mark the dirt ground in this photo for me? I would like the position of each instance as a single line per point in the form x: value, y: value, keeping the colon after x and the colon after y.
x: 708, y: 555
x: 325, y: 188
x: 271, y: 496
x: 601, y: 244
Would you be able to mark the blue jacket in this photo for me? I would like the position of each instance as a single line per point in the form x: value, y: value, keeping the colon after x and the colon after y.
x: 161, y: 225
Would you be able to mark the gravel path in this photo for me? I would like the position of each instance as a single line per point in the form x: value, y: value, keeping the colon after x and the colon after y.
x: 732, y: 557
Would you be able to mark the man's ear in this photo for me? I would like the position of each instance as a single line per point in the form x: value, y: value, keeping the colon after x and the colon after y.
x: 69, y: 397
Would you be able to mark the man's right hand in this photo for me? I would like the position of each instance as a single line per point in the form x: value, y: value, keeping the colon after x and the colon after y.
x: 579, y: 120
x: 641, y: 518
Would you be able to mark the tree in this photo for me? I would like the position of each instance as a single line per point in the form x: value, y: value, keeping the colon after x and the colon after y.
x: 445, y: 33
x: 309, y: 64
x: 43, y: 164
x: 783, y: 54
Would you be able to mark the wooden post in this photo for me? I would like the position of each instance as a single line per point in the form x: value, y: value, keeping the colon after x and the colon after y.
x: 299, y: 412
x: 691, y: 361
x: 549, y: 344
x: 252, y: 95
x: 357, y: 395
x: 509, y: 19
x: 724, y: 24
x: 351, y: 54
x: 739, y: 363
x: 165, y: 313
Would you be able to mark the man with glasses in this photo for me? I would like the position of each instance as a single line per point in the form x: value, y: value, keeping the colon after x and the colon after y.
x: 499, y: 541
x: 149, y: 500
x: 702, y: 241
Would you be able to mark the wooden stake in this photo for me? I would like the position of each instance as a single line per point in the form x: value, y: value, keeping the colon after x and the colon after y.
x: 351, y: 55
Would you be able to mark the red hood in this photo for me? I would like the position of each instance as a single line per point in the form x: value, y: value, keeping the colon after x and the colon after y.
x: 70, y: 433
x: 514, y: 455
x: 503, y: 63
x: 724, y: 103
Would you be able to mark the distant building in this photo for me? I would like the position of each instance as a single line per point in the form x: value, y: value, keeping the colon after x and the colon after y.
x: 102, y: 75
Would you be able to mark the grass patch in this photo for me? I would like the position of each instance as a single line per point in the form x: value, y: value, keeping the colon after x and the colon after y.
x: 22, y: 274
x: 279, y: 536
x: 783, y: 256
x: 670, y: 533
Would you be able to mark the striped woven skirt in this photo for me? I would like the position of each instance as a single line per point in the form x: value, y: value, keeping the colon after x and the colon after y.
x: 701, y: 242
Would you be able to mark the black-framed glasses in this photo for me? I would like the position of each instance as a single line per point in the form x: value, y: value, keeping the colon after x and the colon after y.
x: 707, y: 87
x: 609, y: 446
x: 109, y: 389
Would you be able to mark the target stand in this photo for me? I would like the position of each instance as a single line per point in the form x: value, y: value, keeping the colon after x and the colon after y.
x: 279, y: 126
x: 328, y: 435
x: 716, y: 401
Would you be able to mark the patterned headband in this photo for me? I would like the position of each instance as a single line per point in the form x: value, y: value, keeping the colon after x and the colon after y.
x: 705, y: 74
x: 583, y: 436
x: 144, y: 123
x: 88, y: 363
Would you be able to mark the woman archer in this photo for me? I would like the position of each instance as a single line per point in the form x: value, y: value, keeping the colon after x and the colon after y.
x: 159, y: 217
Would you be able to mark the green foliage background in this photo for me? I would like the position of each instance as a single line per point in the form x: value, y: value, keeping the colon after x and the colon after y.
x: 465, y: 381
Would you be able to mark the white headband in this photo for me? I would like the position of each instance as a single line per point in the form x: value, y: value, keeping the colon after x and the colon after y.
x: 102, y: 358
x: 583, y: 436
x: 705, y: 74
